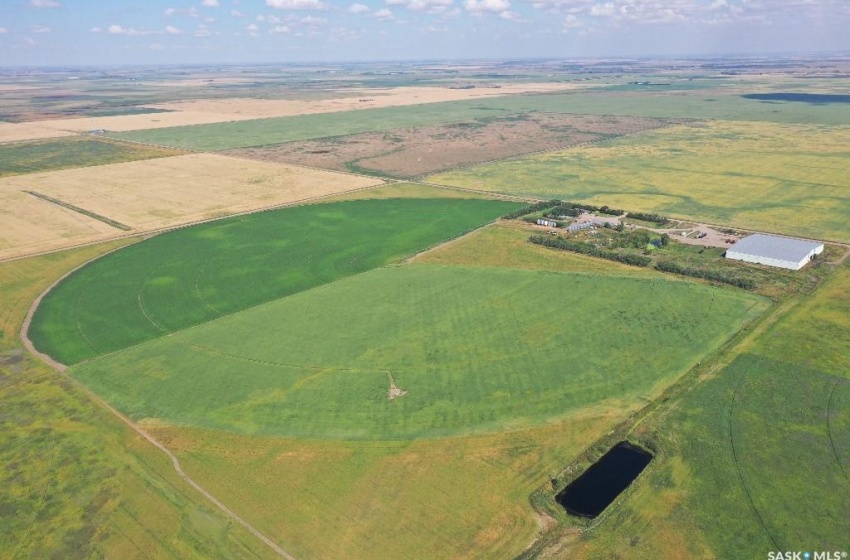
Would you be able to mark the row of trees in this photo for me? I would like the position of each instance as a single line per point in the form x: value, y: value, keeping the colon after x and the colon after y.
x: 574, y: 209
x: 587, y: 249
x: 536, y: 207
x: 714, y: 275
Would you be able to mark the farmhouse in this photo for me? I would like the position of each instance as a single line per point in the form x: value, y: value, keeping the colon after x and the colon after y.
x: 772, y: 250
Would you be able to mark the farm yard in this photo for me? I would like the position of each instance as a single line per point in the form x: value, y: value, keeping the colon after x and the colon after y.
x: 428, y: 149
x: 796, y: 186
x: 158, y: 193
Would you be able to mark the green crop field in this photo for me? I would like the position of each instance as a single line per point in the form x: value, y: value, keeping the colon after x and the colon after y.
x: 782, y: 178
x: 472, y: 347
x: 710, y: 103
x: 77, y: 483
x: 192, y: 275
x: 756, y: 457
x: 67, y: 153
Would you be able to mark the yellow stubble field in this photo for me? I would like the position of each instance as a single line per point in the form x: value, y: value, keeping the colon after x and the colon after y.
x: 150, y: 195
x: 11, y: 132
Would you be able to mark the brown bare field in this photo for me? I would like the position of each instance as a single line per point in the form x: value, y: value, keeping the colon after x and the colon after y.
x: 11, y: 132
x: 150, y: 195
x: 207, y: 111
x: 428, y: 149
x: 29, y: 225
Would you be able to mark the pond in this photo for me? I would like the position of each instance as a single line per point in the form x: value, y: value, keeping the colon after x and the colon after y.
x: 603, y: 481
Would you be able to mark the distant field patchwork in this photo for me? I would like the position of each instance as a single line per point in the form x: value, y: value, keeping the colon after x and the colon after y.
x: 192, y: 275
x: 471, y: 346
x: 788, y: 179
x: 66, y: 153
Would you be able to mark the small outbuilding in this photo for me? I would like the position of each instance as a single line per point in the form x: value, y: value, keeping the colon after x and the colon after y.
x: 773, y: 250
x: 547, y: 223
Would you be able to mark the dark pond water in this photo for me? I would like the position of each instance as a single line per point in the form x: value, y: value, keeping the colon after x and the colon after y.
x: 603, y: 481
x: 815, y: 98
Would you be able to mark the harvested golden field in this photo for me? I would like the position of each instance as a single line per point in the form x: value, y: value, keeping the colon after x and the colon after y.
x: 11, y: 132
x: 29, y: 225
x: 207, y: 111
x: 414, y: 151
x: 149, y: 195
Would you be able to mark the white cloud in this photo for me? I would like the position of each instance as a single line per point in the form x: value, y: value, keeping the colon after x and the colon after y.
x: 202, y: 31
x: 237, y: 14
x: 96, y: 29
x: 116, y: 29
x: 427, y: 6
x: 358, y: 9
x: 512, y: 16
x: 253, y: 30
x: 41, y: 29
x: 156, y: 46
x: 45, y: 4
x: 605, y: 9
x: 171, y: 30
x: 312, y: 21
x: 571, y: 22
x: 383, y: 15
x: 296, y: 4
x: 278, y: 29
x: 3, y: 30
x: 482, y: 6
x: 210, y: 3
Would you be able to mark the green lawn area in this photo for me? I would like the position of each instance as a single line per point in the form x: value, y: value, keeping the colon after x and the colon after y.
x: 756, y: 457
x: 780, y: 178
x: 67, y: 153
x: 192, y: 275
x: 476, y: 349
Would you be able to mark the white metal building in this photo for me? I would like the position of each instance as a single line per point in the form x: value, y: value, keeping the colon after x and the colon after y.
x: 772, y: 250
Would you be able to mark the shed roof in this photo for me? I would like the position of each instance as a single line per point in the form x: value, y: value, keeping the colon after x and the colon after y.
x: 775, y: 247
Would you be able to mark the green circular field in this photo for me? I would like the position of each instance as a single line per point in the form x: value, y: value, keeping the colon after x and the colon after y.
x: 474, y: 349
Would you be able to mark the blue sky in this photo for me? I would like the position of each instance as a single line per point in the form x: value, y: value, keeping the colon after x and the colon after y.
x: 57, y: 32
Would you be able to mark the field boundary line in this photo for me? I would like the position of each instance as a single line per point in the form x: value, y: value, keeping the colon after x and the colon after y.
x: 738, y: 467
x: 62, y: 370
x: 80, y: 210
x: 829, y: 430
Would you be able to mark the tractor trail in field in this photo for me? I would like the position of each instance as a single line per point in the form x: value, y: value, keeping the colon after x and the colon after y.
x: 61, y: 369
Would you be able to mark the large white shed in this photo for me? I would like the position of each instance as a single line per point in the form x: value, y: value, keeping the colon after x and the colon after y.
x: 773, y: 250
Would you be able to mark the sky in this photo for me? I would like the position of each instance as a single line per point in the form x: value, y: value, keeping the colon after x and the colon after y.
x: 69, y: 32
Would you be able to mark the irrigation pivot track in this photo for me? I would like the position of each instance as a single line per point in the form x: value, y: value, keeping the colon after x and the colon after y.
x: 61, y: 368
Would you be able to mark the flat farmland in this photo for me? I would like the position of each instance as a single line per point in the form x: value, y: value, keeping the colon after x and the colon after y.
x: 729, y: 482
x: 66, y: 153
x: 208, y: 111
x: 158, y: 193
x: 29, y: 225
x: 187, y: 276
x: 781, y: 178
x: 461, y: 497
x: 468, y: 345
x: 416, y: 151
x: 13, y: 132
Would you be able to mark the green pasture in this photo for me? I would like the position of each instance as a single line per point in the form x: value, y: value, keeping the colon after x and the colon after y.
x: 76, y: 482
x: 67, y: 153
x: 192, y: 275
x: 756, y: 457
x: 781, y: 178
x: 711, y: 103
x: 476, y: 349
